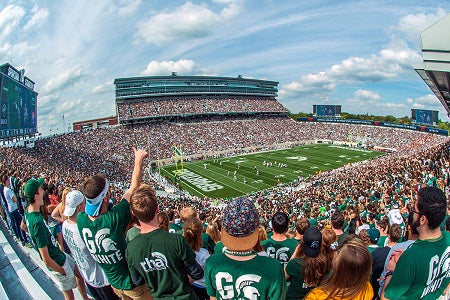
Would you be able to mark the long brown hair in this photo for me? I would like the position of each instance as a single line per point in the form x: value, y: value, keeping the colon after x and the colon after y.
x: 213, y: 231
x: 192, y: 232
x: 163, y: 220
x: 328, y: 238
x: 353, y: 258
x: 315, y: 269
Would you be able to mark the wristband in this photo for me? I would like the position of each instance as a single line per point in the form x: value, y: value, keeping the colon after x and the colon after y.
x: 388, y: 274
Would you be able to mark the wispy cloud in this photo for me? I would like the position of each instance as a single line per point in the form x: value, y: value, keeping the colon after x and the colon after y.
x: 66, y: 78
x: 189, y: 21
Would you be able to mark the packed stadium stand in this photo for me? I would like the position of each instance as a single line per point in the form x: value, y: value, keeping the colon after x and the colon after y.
x: 237, y: 114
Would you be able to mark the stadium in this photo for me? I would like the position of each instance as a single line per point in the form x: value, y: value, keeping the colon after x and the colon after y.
x: 213, y: 139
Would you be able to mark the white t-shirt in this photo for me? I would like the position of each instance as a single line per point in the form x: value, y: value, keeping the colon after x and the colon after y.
x: 89, y: 269
x: 201, y: 256
x: 9, y: 195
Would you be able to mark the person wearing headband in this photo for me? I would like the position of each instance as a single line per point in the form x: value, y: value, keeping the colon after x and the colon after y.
x: 104, y: 231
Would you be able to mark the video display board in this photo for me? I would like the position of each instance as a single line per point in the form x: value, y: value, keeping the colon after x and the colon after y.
x: 425, y: 117
x: 326, y: 110
x: 18, y: 108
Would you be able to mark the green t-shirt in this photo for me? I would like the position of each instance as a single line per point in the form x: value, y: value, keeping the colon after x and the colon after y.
x: 208, y: 242
x: 258, y: 278
x: 161, y: 258
x: 340, y: 239
x: 219, y: 247
x: 105, y: 240
x: 422, y: 272
x: 297, y: 288
x: 42, y: 237
x: 174, y: 228
x: 381, y: 240
x: 282, y: 251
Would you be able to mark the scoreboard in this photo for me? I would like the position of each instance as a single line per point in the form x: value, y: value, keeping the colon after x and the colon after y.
x: 424, y: 117
x: 326, y: 110
x: 18, y: 103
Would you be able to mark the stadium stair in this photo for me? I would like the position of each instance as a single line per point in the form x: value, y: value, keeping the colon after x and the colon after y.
x: 22, y: 273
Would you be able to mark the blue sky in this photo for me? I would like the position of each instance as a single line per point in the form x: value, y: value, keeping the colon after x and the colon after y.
x: 360, y: 54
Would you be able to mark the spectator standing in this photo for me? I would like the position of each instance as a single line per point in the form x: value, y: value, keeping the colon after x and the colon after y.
x: 307, y: 267
x: 156, y: 257
x: 93, y: 274
x: 62, y: 266
x: 103, y: 232
x: 239, y: 272
x: 422, y: 270
x: 353, y: 258
x: 278, y: 245
x: 192, y: 232
x: 337, y: 221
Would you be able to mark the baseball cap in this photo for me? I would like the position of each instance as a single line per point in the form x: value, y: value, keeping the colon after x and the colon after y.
x: 374, y: 234
x: 312, y: 239
x: 93, y: 206
x: 73, y: 199
x: 240, y: 221
x: 32, y: 186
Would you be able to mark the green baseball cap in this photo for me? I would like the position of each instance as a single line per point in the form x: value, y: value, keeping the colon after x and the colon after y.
x: 32, y: 186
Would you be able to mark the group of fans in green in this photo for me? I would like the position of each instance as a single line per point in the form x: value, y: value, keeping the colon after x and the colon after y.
x: 136, y: 250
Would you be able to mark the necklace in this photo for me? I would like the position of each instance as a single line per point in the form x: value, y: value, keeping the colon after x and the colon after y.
x: 240, y: 253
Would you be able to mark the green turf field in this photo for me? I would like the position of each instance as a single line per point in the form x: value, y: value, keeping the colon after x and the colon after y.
x: 217, y: 180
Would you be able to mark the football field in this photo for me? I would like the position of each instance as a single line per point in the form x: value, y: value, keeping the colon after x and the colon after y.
x: 240, y: 175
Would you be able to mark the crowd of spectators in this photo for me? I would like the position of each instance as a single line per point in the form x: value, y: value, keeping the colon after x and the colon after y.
x: 170, y: 106
x: 366, y: 190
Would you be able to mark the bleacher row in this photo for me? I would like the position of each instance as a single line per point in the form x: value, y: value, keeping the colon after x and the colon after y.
x: 172, y: 106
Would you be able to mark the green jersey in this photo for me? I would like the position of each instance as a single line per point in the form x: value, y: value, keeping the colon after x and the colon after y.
x: 422, y: 272
x: 258, y: 278
x: 219, y: 247
x: 42, y: 237
x: 105, y: 240
x: 174, y: 228
x: 208, y: 242
x: 281, y: 250
x: 297, y: 289
x: 161, y: 259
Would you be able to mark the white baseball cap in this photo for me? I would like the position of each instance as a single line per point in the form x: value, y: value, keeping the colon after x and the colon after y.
x: 73, y: 199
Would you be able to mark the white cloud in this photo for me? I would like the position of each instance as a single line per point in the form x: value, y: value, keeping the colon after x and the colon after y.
x: 412, y: 25
x: 64, y: 79
x: 10, y: 18
x: 367, y: 95
x: 182, y: 66
x: 319, y: 83
x: 103, y: 88
x: 388, y: 64
x: 189, y: 21
x: 125, y: 7
x: 39, y: 17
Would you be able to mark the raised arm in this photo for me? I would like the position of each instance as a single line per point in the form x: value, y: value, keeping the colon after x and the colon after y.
x: 136, y: 177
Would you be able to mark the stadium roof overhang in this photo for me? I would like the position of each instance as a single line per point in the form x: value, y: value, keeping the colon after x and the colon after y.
x: 436, y: 60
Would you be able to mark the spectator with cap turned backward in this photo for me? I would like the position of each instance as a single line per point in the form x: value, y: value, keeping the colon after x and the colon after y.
x: 238, y: 272
x: 103, y: 232
x: 307, y: 267
x: 62, y: 266
x: 93, y: 274
x: 278, y: 245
